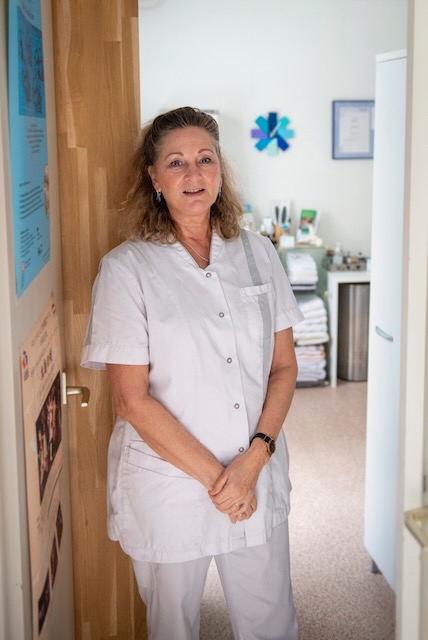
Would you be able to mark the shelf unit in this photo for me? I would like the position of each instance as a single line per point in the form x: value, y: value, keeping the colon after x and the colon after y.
x: 320, y: 288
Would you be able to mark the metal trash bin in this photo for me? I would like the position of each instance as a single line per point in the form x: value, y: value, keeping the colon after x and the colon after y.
x: 353, y: 331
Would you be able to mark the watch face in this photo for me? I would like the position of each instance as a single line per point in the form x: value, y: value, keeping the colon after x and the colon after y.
x: 272, y: 446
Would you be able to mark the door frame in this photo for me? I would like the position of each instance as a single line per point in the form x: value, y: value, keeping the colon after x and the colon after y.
x: 17, y: 318
x: 414, y: 376
x: 15, y: 595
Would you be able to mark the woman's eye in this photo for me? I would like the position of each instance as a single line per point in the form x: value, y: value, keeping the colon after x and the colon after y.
x: 206, y: 160
x: 175, y: 163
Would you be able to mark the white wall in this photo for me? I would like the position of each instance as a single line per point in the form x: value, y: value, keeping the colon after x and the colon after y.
x: 248, y: 57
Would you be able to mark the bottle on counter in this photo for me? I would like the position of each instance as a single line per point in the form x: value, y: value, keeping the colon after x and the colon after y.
x: 337, y: 255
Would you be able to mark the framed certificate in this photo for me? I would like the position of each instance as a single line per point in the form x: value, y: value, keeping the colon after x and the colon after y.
x: 353, y: 129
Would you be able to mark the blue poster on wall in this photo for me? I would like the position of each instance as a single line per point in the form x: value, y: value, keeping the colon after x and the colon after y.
x: 28, y: 142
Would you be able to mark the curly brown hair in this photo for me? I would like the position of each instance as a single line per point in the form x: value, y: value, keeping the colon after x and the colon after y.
x: 142, y: 217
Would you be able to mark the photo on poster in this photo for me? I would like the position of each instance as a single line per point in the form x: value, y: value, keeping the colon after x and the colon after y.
x: 48, y: 430
x: 54, y: 561
x: 44, y: 601
x: 59, y: 525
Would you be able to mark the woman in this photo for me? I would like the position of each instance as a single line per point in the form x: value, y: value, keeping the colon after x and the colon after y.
x: 192, y: 318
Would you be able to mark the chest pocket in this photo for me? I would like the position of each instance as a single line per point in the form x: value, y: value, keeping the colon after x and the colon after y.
x: 257, y: 304
x: 256, y: 290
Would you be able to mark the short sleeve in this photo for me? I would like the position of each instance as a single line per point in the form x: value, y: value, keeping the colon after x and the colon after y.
x: 287, y: 312
x: 117, y: 329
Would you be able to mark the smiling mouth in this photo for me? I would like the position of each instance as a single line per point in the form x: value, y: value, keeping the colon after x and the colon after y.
x: 191, y: 191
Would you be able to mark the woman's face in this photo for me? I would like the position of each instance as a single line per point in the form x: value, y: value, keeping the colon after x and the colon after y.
x: 188, y: 173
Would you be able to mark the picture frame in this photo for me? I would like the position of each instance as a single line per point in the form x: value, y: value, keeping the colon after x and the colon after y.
x: 353, y: 129
x: 308, y: 222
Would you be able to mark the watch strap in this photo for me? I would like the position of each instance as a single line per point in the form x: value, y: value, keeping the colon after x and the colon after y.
x: 270, y: 442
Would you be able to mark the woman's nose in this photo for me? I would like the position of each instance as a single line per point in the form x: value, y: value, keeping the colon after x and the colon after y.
x: 193, y: 169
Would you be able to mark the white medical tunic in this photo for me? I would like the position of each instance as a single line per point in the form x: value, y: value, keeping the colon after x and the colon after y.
x: 208, y: 337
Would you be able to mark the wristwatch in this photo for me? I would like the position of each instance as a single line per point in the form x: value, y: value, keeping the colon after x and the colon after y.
x: 270, y: 442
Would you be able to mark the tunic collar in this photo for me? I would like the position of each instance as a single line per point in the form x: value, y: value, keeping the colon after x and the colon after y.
x: 215, y: 249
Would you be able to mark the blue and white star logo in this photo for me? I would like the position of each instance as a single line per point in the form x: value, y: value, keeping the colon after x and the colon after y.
x: 272, y: 133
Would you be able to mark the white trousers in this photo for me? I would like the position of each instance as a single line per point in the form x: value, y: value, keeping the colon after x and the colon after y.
x: 256, y: 583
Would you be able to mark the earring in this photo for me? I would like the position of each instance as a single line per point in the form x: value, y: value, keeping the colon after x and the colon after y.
x: 219, y: 193
x: 159, y: 197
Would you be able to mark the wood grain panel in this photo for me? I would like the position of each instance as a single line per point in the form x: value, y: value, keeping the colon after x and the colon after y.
x: 97, y: 100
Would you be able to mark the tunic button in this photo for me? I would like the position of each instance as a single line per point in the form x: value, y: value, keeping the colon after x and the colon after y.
x: 241, y: 449
x: 221, y: 314
x: 236, y: 405
x: 208, y: 275
x: 229, y: 360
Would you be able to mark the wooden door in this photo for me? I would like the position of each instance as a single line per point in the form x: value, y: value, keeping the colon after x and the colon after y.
x: 97, y: 100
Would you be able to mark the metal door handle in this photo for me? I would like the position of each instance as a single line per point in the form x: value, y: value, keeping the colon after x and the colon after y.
x: 74, y: 391
x: 79, y: 391
x: 383, y: 334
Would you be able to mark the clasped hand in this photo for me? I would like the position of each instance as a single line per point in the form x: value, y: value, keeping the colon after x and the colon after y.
x: 234, y: 491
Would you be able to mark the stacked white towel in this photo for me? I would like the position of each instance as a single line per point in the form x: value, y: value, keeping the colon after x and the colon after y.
x: 313, y: 329
x: 302, y: 271
x: 311, y: 362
